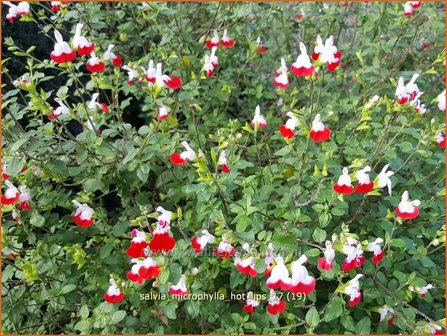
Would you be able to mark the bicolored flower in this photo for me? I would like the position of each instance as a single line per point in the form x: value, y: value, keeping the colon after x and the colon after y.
x: 24, y: 199
x: 137, y: 245
x: 11, y: 195
x: 384, y: 178
x: 440, y: 139
x: 146, y: 269
x: 227, y: 42
x: 408, y: 209
x: 208, y: 66
x: 344, y: 185
x: 275, y: 306
x: 407, y: 93
x: 353, y: 290
x: 354, y: 257
x: 364, y: 185
x: 302, y: 282
x: 83, y: 215
x: 62, y: 52
x: 281, y: 78
x: 187, y: 155
x: 214, y: 41
x: 161, y: 239
x: 93, y: 104
x: 409, y: 6
x: 60, y: 110
x: 161, y: 80
x: 199, y: 243
x: 302, y: 66
x: 113, y: 294
x: 260, y: 47
x: 258, y: 120
x: 269, y: 258
x: 163, y: 113
x: 80, y: 42
x: 250, y: 304
x: 422, y: 291
x: 279, y: 276
x: 327, y: 262
x: 288, y: 129
x: 179, y: 290
x: 246, y: 266
x: 222, y: 161
x: 387, y: 313
x: 378, y: 253
x: 14, y: 11
x: 224, y: 249
x: 151, y: 72
x: 319, y: 132
x: 94, y: 64
x: 327, y: 53
x: 109, y: 55
x: 132, y: 74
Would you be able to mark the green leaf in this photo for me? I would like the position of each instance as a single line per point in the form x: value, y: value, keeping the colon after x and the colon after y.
x: 312, y: 318
x: 118, y: 316
x: 319, y: 235
x: 398, y: 243
x: 363, y: 326
x: 130, y: 155
x: 68, y: 288
x: 19, y: 143
x: 333, y: 310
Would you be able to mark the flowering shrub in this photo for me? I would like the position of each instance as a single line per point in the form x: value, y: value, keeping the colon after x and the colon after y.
x: 223, y: 167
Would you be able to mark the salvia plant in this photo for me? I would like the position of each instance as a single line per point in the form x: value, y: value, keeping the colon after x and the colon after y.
x: 266, y: 168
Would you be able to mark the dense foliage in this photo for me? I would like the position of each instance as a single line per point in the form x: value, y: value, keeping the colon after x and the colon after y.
x: 115, y: 156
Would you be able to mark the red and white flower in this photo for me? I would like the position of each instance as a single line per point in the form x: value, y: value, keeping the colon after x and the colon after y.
x: 223, y: 162
x: 250, y: 303
x: 288, y: 129
x: 441, y: 101
x: 151, y: 72
x: 436, y: 330
x: 55, y: 5
x: 23, y: 80
x: 260, y: 47
x: 109, y: 55
x: 137, y: 245
x: 163, y: 112
x: 199, y: 243
x: 132, y: 74
x: 353, y: 290
x: 384, y: 178
x: 146, y: 269
x: 179, y: 290
x: 364, y: 185
x: 269, y: 258
x: 60, y: 110
x: 378, y: 252
x: 11, y: 195
x: 319, y: 132
x: 93, y: 104
x: 418, y: 107
x: 281, y: 79
x: 440, y: 139
x: 301, y: 15
x: 327, y: 262
x: 246, y: 266
x: 279, y: 276
x: 354, y: 257
x: 258, y: 120
x: 275, y: 306
x: 302, y: 282
x: 21, y: 9
x: 408, y: 209
x: 224, y: 249
x: 83, y: 215
x: 343, y: 185
x: 187, y: 155
x: 227, y: 42
x: 302, y: 66
x: 94, y: 64
x: 387, y: 313
x: 410, y: 5
x: 327, y: 53
x: 422, y: 291
x: 24, y: 199
x: 214, y: 41
x: 113, y: 294
x: 80, y: 42
x: 161, y: 239
x: 161, y: 80
x: 62, y: 52
x: 407, y: 93
x: 208, y: 66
